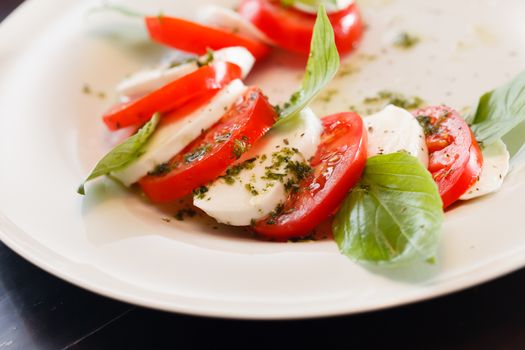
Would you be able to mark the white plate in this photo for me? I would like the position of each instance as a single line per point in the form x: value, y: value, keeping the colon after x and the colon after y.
x: 115, y: 244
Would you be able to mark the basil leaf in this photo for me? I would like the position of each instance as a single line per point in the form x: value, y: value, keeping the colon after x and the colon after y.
x: 499, y: 111
x: 393, y: 216
x: 323, y: 64
x: 124, y: 154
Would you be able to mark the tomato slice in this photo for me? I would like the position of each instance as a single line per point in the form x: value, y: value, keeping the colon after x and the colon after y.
x: 197, y: 38
x: 455, y: 157
x: 210, y: 156
x: 336, y: 168
x: 173, y: 95
x: 292, y: 29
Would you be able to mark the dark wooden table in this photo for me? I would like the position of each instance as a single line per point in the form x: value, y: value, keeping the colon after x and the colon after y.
x: 39, y: 311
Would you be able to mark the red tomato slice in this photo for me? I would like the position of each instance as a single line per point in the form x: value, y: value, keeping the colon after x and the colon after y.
x: 172, y: 95
x: 292, y: 29
x: 455, y: 157
x: 209, y: 156
x: 337, y: 167
x: 197, y: 38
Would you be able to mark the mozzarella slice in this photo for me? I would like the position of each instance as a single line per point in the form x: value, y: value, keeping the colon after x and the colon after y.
x: 227, y: 19
x: 149, y: 80
x: 171, y: 138
x: 331, y: 6
x: 251, y: 195
x: 237, y: 55
x: 495, y: 168
x: 146, y: 81
x: 394, y: 129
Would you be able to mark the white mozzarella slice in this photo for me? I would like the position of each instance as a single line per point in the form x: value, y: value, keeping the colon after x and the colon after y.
x: 331, y: 6
x: 252, y: 195
x: 394, y: 129
x: 237, y: 55
x: 495, y: 168
x: 171, y: 138
x: 227, y: 19
x: 149, y: 80
x: 146, y: 81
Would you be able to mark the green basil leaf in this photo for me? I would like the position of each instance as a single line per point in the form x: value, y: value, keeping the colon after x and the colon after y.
x: 124, y: 154
x: 393, y: 216
x: 323, y: 64
x: 499, y: 111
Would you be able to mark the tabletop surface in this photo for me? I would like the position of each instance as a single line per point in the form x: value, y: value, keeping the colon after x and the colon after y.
x: 39, y: 311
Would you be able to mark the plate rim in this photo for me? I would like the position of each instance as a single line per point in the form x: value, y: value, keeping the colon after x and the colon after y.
x: 40, y: 257
x: 19, y: 241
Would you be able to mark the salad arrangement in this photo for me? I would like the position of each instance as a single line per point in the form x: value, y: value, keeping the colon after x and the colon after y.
x: 383, y: 180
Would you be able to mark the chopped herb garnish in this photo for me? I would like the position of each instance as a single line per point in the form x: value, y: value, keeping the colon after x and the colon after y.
x: 235, y: 170
x: 199, y: 61
x: 200, y: 192
x: 230, y: 180
x: 220, y: 138
x: 240, y: 146
x: 293, y: 100
x: 301, y: 170
x: 327, y: 96
x: 86, y: 89
x: 160, y: 169
x: 347, y: 69
x: 291, y: 186
x: 283, y: 166
x: 274, y: 214
x: 251, y: 188
x: 311, y: 237
x: 405, y: 41
x: 426, y: 123
x: 206, y: 59
x: 273, y: 176
x: 197, y: 154
x: 385, y: 97
x: 182, y: 213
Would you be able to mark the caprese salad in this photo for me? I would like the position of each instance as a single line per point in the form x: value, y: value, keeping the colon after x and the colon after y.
x: 384, y: 179
x: 256, y: 25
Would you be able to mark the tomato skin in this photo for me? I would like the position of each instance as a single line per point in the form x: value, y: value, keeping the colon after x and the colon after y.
x: 337, y: 167
x: 455, y: 157
x: 197, y: 38
x: 246, y: 121
x: 292, y: 29
x: 173, y: 95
